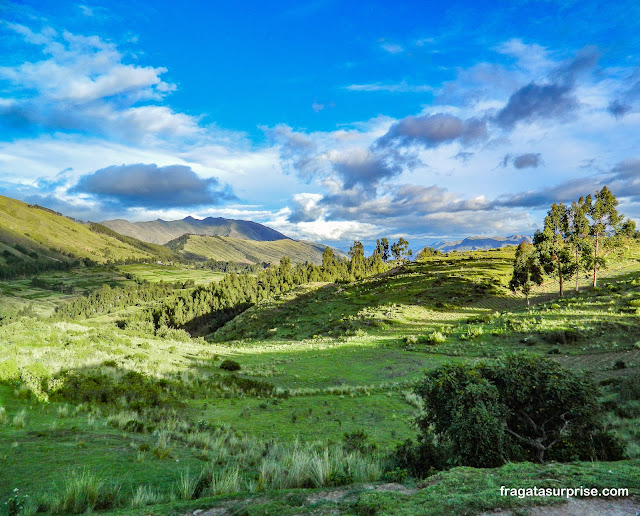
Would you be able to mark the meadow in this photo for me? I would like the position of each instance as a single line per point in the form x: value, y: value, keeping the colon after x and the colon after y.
x: 132, y: 420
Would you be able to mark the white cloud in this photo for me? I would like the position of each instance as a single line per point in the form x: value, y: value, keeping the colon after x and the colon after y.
x: 85, y: 85
x: 401, y: 87
x: 392, y: 48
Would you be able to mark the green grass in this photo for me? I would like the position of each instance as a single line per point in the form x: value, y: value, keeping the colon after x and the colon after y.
x: 51, y: 235
x: 171, y: 273
x: 238, y: 250
x: 329, y: 359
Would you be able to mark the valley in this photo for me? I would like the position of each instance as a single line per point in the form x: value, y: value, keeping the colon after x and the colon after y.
x: 152, y: 424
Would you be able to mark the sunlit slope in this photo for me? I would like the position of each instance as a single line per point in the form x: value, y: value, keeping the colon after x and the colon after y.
x: 34, y: 233
x: 246, y: 251
x: 162, y: 231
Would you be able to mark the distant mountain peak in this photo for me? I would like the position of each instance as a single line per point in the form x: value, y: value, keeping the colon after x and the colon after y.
x: 473, y: 243
x: 162, y: 231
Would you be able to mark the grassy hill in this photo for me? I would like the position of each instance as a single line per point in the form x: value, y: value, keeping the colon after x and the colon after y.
x: 34, y: 235
x: 219, y: 248
x: 162, y: 231
x: 150, y: 423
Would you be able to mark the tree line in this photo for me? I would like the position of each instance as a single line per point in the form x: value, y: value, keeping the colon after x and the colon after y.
x: 182, y: 305
x: 575, y: 239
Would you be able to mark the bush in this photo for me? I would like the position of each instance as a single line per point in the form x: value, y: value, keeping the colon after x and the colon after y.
x: 629, y: 389
x: 520, y: 408
x: 419, y: 459
x: 138, y: 390
x: 230, y: 365
x: 435, y: 337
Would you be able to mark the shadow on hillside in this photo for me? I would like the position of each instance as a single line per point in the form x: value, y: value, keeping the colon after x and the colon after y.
x: 342, y: 310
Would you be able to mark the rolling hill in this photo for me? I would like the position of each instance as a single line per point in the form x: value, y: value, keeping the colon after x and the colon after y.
x: 162, y: 231
x: 220, y: 248
x: 33, y: 237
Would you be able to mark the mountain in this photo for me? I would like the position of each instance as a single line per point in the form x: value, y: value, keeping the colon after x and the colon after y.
x: 33, y: 238
x: 478, y: 243
x: 162, y: 231
x: 220, y: 248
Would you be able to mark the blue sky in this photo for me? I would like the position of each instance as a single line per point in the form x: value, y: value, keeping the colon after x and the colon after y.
x: 328, y: 121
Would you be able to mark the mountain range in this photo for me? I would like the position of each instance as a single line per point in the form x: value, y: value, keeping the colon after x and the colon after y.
x: 162, y: 231
x: 34, y: 238
x: 479, y: 242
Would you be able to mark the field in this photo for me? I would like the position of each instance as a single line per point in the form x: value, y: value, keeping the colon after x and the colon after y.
x: 171, y: 273
x: 323, y: 394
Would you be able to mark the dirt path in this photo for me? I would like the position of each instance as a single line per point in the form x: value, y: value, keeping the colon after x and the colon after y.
x: 345, y: 494
x: 582, y: 507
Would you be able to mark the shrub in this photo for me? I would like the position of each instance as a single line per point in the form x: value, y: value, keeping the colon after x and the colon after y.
x: 230, y: 365
x: 629, y: 389
x: 138, y: 391
x: 435, y: 337
x: 520, y: 408
x: 620, y: 364
x: 420, y: 459
x: 357, y: 441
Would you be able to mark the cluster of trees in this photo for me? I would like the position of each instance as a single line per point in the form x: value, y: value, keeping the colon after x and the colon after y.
x: 108, y: 299
x: 211, y: 304
x: 16, y: 266
x: 222, y: 266
x: 185, y: 305
x: 575, y: 239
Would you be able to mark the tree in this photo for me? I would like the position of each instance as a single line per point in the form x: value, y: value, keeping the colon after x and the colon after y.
x: 328, y: 263
x: 602, y: 210
x: 578, y: 230
x: 527, y: 270
x: 627, y: 229
x: 426, y: 252
x: 357, y: 263
x: 551, y: 246
x: 382, y: 248
x: 400, y: 249
x: 519, y: 408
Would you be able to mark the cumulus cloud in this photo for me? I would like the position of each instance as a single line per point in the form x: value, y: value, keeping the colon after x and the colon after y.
x: 306, y: 208
x: 623, y: 180
x: 364, y: 167
x: 83, y: 84
x: 299, y: 154
x: 627, y: 97
x: 535, y: 102
x: 433, y: 130
x: 553, y: 100
x: 338, y: 158
x: 528, y: 160
x: 147, y: 185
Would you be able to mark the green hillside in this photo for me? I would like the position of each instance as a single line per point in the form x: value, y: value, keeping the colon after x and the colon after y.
x: 146, y: 420
x: 32, y: 236
x: 226, y: 249
x: 162, y: 231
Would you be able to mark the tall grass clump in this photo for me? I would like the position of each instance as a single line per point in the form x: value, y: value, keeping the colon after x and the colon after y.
x: 145, y: 495
x: 84, y: 492
x: 316, y: 466
x: 20, y: 419
x: 214, y: 482
x: 186, y: 486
